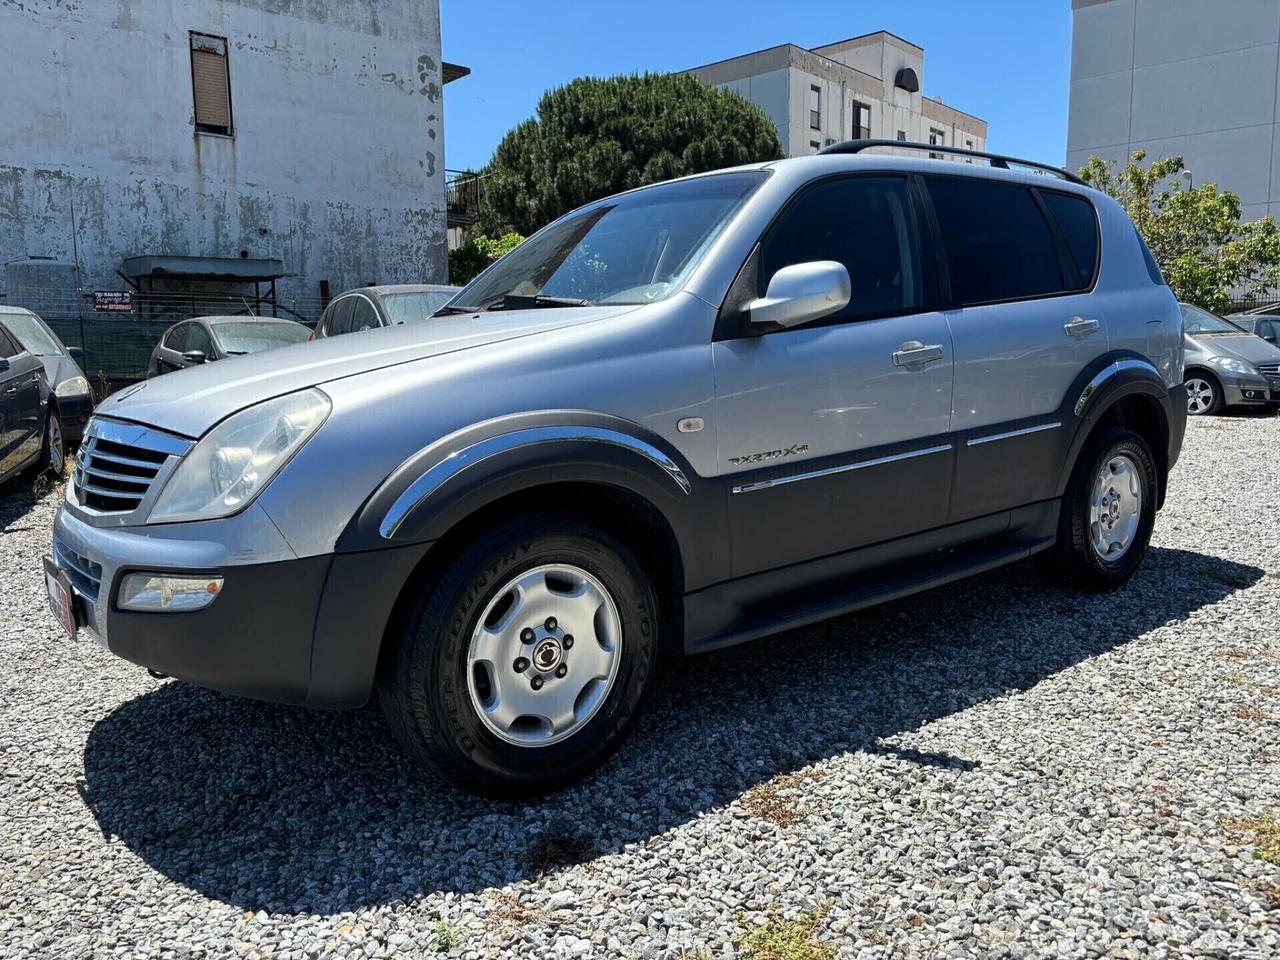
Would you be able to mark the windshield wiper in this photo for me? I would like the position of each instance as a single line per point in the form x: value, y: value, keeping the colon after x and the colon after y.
x: 449, y: 311
x: 515, y: 301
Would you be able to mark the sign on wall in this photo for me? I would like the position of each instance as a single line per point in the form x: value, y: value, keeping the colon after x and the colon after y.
x: 113, y: 301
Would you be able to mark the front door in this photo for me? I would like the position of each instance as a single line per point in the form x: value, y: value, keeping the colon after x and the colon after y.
x: 1020, y: 263
x: 834, y: 435
x: 20, y: 407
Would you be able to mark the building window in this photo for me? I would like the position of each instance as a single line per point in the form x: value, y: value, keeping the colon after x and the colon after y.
x: 861, y: 121
x: 815, y: 108
x: 902, y: 136
x: 210, y: 84
x: 968, y: 145
x: 937, y: 138
x: 815, y: 146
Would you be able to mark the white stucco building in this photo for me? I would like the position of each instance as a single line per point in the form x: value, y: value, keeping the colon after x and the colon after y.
x: 1198, y: 79
x: 177, y: 145
x: 867, y: 86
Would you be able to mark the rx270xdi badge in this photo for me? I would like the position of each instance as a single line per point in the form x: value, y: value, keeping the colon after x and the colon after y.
x: 794, y: 450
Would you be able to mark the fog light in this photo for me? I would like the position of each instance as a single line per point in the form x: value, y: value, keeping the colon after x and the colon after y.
x: 160, y: 594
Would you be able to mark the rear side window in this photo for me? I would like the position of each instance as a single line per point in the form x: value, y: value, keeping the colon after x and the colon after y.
x: 866, y: 223
x: 998, y: 245
x: 1079, y: 225
x: 1153, y: 268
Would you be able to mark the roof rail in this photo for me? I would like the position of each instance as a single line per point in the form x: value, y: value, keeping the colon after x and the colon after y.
x: 997, y: 160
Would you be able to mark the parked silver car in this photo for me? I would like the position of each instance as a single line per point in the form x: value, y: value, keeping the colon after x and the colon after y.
x: 1226, y: 366
x: 673, y: 420
x: 367, y: 308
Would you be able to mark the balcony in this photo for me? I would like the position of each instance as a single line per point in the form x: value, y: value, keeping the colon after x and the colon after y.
x: 462, y: 197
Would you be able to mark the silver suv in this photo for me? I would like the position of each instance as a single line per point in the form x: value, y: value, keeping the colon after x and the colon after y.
x: 674, y: 420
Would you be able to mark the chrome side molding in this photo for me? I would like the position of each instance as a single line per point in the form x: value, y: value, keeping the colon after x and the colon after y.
x: 842, y: 468
x: 422, y: 489
x: 1106, y: 373
x: 978, y: 441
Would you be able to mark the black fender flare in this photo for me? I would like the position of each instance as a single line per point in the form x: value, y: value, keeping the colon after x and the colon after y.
x: 1105, y: 383
x: 450, y: 479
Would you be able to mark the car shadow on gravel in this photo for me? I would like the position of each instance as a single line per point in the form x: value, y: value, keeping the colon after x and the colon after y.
x: 277, y: 808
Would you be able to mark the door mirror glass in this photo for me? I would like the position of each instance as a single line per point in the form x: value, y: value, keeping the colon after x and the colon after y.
x: 4, y: 364
x: 802, y: 293
x: 195, y: 356
x: 76, y: 354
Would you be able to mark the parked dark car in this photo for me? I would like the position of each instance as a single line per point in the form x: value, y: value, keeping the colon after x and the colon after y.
x: 1226, y: 366
x: 387, y: 306
x: 30, y: 433
x: 205, y: 339
x: 71, y: 396
x: 1264, y: 325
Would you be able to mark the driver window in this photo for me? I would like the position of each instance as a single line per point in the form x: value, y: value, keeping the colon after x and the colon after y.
x: 177, y: 337
x: 866, y: 223
x: 363, y: 316
x: 198, y: 339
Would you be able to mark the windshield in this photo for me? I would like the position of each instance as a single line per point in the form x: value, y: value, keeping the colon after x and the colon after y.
x: 32, y: 335
x: 411, y: 307
x: 256, y: 336
x: 1196, y: 320
x: 633, y: 249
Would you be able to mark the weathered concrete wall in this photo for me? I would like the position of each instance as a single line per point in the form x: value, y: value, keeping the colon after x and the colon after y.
x: 336, y: 164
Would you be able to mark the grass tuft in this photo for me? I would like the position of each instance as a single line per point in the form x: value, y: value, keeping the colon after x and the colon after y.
x: 778, y: 800
x: 444, y: 938
x: 780, y: 939
x: 1266, y: 835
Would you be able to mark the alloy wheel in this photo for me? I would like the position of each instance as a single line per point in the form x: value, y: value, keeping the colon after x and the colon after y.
x: 1115, y: 507
x: 544, y: 655
x: 1200, y: 396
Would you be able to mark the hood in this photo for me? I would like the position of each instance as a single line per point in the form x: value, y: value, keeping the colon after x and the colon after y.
x: 59, y: 367
x: 1243, y: 346
x: 189, y: 402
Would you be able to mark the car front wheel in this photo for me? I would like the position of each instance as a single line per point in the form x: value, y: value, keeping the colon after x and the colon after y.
x: 525, y: 664
x: 1204, y: 395
x: 53, y: 456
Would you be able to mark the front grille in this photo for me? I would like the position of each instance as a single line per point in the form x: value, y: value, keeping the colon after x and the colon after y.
x: 118, y: 463
x: 114, y: 477
x: 84, y: 574
x: 1271, y: 368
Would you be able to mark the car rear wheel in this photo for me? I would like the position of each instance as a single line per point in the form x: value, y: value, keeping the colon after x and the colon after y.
x: 1108, y: 512
x: 522, y: 668
x: 1204, y: 395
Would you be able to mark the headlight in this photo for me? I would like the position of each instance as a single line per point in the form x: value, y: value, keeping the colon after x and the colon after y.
x: 237, y: 459
x: 1235, y: 366
x: 72, y: 387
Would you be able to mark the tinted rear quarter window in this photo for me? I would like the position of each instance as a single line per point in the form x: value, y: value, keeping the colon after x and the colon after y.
x: 1153, y: 268
x: 8, y: 347
x: 866, y: 223
x: 1079, y: 226
x: 998, y: 244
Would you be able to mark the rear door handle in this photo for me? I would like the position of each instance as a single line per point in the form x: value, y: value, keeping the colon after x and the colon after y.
x: 914, y: 352
x: 1080, y: 327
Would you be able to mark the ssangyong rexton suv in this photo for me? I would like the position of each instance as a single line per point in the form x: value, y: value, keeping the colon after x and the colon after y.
x: 673, y: 420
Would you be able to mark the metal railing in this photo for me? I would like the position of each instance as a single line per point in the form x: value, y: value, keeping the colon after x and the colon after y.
x: 462, y: 196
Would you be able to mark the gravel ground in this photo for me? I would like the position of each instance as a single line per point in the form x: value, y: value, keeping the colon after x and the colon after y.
x: 999, y: 768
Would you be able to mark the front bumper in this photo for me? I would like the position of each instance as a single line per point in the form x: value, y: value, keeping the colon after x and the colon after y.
x: 300, y: 630
x: 1245, y: 391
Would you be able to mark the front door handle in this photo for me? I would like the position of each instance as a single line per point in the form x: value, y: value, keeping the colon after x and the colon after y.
x: 1080, y: 327
x: 914, y: 352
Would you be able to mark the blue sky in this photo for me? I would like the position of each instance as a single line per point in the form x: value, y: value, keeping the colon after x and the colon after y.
x: 1005, y: 60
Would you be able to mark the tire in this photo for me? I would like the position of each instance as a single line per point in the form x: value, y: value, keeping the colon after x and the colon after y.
x: 1204, y: 394
x: 1076, y: 557
x: 53, y: 452
x: 449, y: 689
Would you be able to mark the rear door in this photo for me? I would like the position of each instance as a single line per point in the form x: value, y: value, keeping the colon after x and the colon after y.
x: 1020, y: 262
x: 834, y: 435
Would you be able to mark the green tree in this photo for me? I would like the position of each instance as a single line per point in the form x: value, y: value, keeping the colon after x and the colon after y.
x: 1207, y: 253
x: 595, y: 137
x: 466, y: 261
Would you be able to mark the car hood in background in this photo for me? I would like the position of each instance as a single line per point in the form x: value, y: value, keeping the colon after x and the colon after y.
x: 1244, y: 346
x: 190, y: 401
x: 59, y: 367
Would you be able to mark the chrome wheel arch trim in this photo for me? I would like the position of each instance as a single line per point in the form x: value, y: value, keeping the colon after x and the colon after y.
x: 458, y: 460
x: 1106, y: 373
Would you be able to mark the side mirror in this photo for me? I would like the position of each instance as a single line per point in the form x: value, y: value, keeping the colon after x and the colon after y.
x: 4, y: 364
x: 194, y: 356
x: 76, y: 354
x: 801, y: 293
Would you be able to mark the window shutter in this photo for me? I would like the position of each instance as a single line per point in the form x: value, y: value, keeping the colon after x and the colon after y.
x: 210, y: 83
